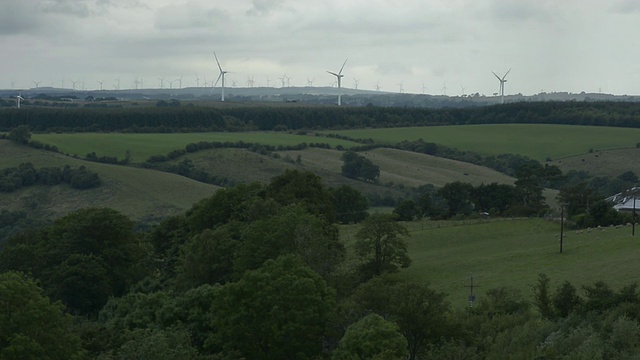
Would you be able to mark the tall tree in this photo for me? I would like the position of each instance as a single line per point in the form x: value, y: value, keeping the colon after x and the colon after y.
x: 31, y: 327
x: 279, y: 311
x: 380, y: 244
x: 372, y: 337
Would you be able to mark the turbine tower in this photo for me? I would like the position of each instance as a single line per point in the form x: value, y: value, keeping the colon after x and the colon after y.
x: 339, y: 77
x: 18, y: 98
x: 502, y: 81
x: 221, y: 76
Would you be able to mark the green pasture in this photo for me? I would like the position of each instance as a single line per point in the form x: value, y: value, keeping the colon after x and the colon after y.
x: 537, y: 141
x: 513, y: 253
x: 142, y: 146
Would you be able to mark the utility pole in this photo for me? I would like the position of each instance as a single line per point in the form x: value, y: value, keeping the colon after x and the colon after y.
x: 561, y: 226
x: 472, y: 296
x: 633, y: 218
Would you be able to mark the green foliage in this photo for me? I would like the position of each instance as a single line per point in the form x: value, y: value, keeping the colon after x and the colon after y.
x: 350, y: 205
x: 420, y: 312
x: 458, y: 197
x: 82, y: 259
x: 372, y: 338
x: 381, y: 246
x: 566, y: 299
x: 278, y: 311
x: 304, y: 188
x: 358, y: 167
x: 31, y: 327
x: 26, y: 174
x: 155, y: 344
x: 542, y: 296
x: 20, y: 134
x: 406, y: 210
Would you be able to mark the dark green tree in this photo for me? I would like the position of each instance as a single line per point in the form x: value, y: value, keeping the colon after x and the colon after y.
x: 350, y: 205
x: 458, y: 197
x: 372, y: 337
x: 381, y: 246
x: 542, y: 296
x: 304, y: 188
x: 31, y: 327
x: 356, y: 166
x: 279, y: 311
x: 406, y: 210
x: 20, y: 134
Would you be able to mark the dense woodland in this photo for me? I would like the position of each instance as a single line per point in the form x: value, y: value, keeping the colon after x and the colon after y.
x: 260, y: 272
x: 191, y: 118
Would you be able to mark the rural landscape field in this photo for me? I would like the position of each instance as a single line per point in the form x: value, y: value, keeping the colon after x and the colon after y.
x: 198, y: 216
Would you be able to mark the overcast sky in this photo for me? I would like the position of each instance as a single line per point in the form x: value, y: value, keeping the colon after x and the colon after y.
x: 550, y: 45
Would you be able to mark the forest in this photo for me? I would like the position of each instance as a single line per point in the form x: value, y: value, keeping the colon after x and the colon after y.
x: 260, y: 272
x: 162, y: 119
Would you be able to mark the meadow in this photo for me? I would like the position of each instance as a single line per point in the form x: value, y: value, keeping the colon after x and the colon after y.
x: 538, y: 141
x: 512, y: 252
x: 142, y: 146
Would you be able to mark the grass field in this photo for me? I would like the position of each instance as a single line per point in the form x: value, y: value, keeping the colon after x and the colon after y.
x: 138, y: 193
x: 603, y: 163
x: 142, y: 146
x: 513, y: 253
x: 533, y: 140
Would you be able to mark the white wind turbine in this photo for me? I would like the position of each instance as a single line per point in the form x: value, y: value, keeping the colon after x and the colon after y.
x: 100, y: 82
x: 221, y: 76
x: 339, y: 77
x: 18, y: 98
x: 502, y: 81
x: 356, y: 82
x: 161, y: 82
x: 310, y: 82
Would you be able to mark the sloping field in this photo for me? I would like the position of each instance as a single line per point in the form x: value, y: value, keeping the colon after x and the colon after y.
x: 537, y: 141
x: 410, y: 169
x: 142, y: 146
x: 138, y: 193
x: 513, y: 253
x: 603, y: 163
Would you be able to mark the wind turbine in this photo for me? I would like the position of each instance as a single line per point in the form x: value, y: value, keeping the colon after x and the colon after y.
x: 100, y: 82
x: 355, y: 83
x: 502, y: 81
x: 180, y: 82
x: 377, y: 86
x: 37, y: 83
x: 282, y: 79
x: 221, y: 76
x: 310, y: 82
x: 463, y: 88
x: 401, y: 88
x: 161, y: 82
x: 339, y: 77
x: 423, y: 88
x: 18, y: 98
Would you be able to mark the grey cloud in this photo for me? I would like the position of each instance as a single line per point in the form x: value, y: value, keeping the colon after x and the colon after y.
x: 626, y: 6
x: 17, y: 17
x: 77, y: 8
x: 393, y: 69
x: 264, y: 7
x: 190, y: 16
x: 518, y: 11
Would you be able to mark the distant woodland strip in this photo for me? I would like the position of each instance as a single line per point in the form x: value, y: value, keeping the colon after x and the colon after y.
x: 14, y: 178
x: 200, y: 119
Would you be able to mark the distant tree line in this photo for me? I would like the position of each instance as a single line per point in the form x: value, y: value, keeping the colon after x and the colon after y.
x: 14, y: 178
x: 188, y: 118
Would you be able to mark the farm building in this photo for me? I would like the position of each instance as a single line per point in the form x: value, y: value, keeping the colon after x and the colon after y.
x: 625, y: 200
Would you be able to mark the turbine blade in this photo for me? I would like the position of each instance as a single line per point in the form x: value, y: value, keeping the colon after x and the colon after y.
x: 219, y: 76
x: 497, y: 76
x: 505, y: 75
x: 334, y: 74
x: 345, y: 62
x: 218, y: 62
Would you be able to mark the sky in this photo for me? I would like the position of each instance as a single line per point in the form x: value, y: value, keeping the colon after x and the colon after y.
x: 428, y: 46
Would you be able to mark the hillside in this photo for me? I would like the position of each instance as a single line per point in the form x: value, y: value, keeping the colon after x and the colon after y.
x: 603, y: 163
x: 513, y: 253
x: 138, y: 193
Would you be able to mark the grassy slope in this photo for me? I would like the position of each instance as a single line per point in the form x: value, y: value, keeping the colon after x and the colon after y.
x: 513, y: 253
x: 135, y: 192
x: 536, y: 141
x: 603, y: 163
x: 142, y: 146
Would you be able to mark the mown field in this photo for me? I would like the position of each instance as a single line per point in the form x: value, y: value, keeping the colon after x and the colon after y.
x: 142, y: 146
x: 513, y: 253
x: 533, y: 140
x: 603, y: 163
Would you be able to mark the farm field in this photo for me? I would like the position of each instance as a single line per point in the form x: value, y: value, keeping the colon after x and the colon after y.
x: 537, y: 141
x: 603, y: 163
x: 512, y: 253
x: 142, y: 146
x: 137, y: 193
